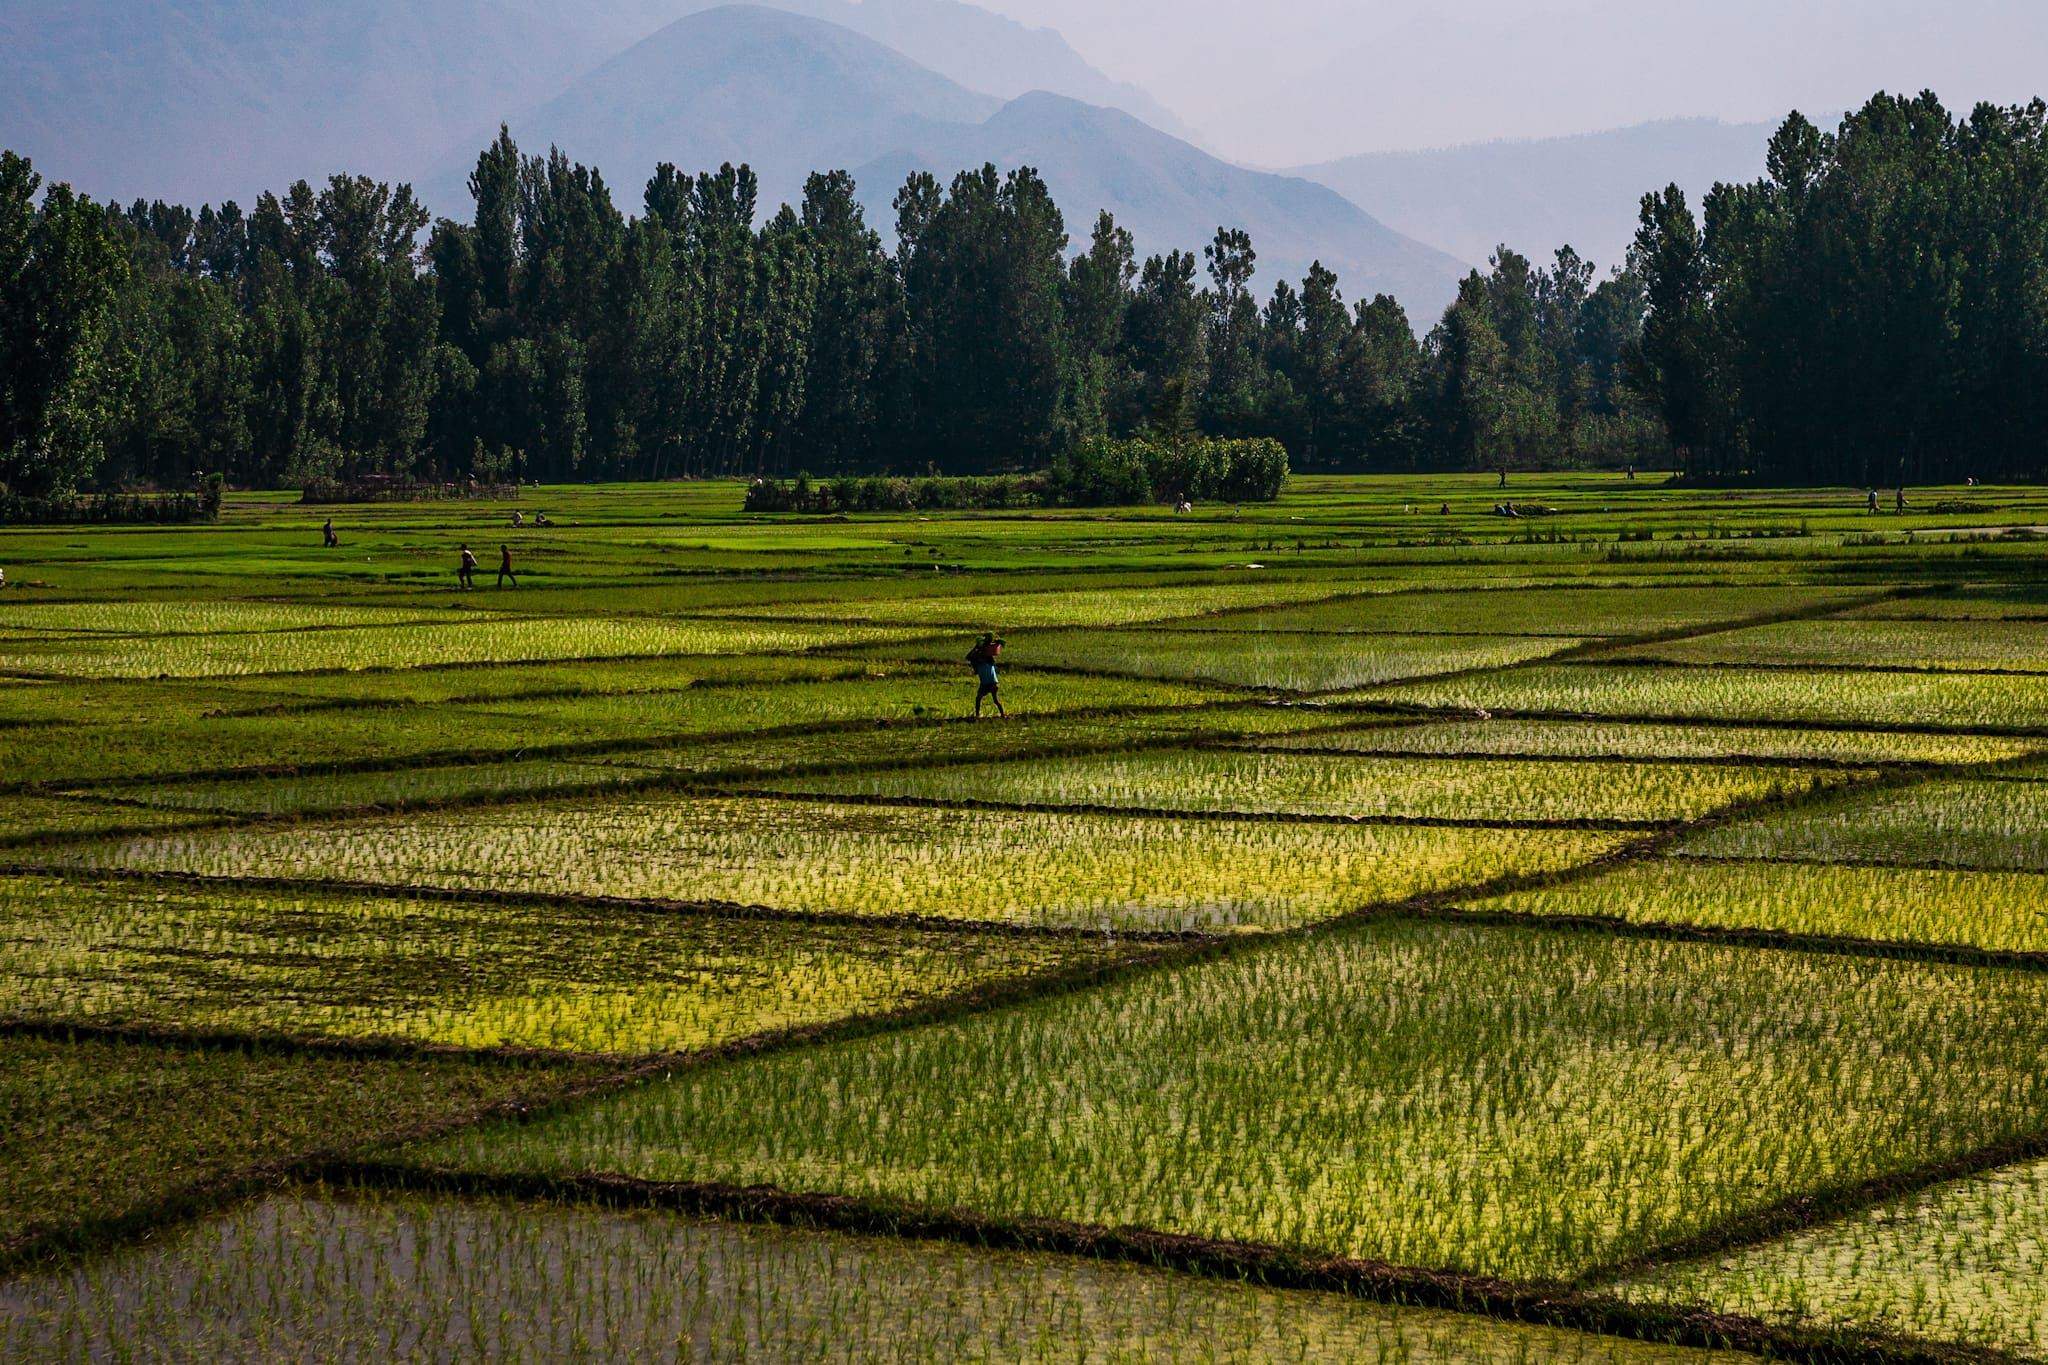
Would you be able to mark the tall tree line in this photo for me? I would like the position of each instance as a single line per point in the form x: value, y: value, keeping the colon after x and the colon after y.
x: 1873, y: 308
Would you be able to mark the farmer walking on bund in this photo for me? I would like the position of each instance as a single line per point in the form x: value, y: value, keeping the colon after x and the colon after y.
x: 983, y: 659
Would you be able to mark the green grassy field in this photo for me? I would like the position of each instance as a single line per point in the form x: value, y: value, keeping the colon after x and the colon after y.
x: 1408, y: 936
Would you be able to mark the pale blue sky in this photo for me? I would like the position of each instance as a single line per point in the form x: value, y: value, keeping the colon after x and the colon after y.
x: 1293, y: 80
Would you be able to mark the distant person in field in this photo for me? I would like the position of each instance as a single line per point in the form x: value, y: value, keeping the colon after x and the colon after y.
x: 467, y: 573
x: 505, y: 566
x: 1901, y: 504
x: 518, y: 519
x: 541, y: 519
x: 327, y: 531
x: 1503, y: 478
x: 1873, y: 501
x: 983, y: 659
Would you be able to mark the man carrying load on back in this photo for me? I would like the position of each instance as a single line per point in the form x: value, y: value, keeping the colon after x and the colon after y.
x: 983, y: 659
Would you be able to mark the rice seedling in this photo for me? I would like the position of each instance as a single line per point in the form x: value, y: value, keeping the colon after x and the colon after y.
x: 1949, y: 701
x: 2008, y: 645
x: 1518, y: 1102
x: 1963, y: 823
x: 471, y: 642
x: 1294, y: 663
x: 1086, y: 871
x: 1568, y: 612
x: 312, y: 1277
x: 565, y: 978
x: 98, y: 1131
x: 1338, y: 785
x: 1653, y: 743
x: 1990, y: 910
x: 1965, y: 1262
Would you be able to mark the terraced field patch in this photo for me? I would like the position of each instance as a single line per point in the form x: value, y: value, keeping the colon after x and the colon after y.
x: 1502, y: 1101
x: 1047, y: 609
x: 1084, y: 871
x: 1570, y: 613
x: 308, y: 1276
x: 1963, y: 1262
x: 189, y: 617
x: 341, y: 792
x: 1962, y: 823
x: 168, y: 1119
x: 137, y: 747
x: 563, y: 978
x: 1342, y: 786
x: 2014, y: 646
x: 1684, y: 744
x: 474, y: 642
x: 1997, y: 911
x: 25, y: 818
x: 1954, y: 701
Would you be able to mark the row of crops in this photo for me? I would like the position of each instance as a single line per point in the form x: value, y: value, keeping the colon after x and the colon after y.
x: 1393, y: 951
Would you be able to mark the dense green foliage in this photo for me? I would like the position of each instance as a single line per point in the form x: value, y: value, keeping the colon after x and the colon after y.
x: 1106, y: 473
x: 1870, y: 312
x: 333, y: 333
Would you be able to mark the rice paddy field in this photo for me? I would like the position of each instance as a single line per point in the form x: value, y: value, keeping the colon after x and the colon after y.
x: 1616, y: 934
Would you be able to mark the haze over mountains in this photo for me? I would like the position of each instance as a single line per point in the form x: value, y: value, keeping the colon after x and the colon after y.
x: 198, y: 100
x: 791, y: 94
x: 1539, y: 195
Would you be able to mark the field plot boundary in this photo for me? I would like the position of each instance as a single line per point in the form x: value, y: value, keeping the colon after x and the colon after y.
x: 1197, y: 813
x: 1267, y: 748
x: 1421, y: 712
x: 1534, y: 1303
x: 1773, y: 940
x: 710, y: 909
x: 1571, y: 659
x: 1886, y: 864
x: 580, y: 749
x: 628, y: 1067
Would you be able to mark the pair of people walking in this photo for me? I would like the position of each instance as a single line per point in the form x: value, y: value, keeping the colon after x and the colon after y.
x: 466, y: 574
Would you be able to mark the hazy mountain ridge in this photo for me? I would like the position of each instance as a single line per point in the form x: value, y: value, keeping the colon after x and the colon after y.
x: 743, y: 83
x: 208, y: 99
x: 199, y: 100
x: 1539, y: 195
x: 981, y: 50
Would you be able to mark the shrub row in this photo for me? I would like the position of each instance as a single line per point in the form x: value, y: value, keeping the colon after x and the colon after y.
x: 892, y: 495
x: 1106, y: 473
x: 398, y: 490
x: 106, y: 509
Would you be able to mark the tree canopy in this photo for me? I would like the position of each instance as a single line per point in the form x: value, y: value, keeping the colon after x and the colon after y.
x: 1875, y: 309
